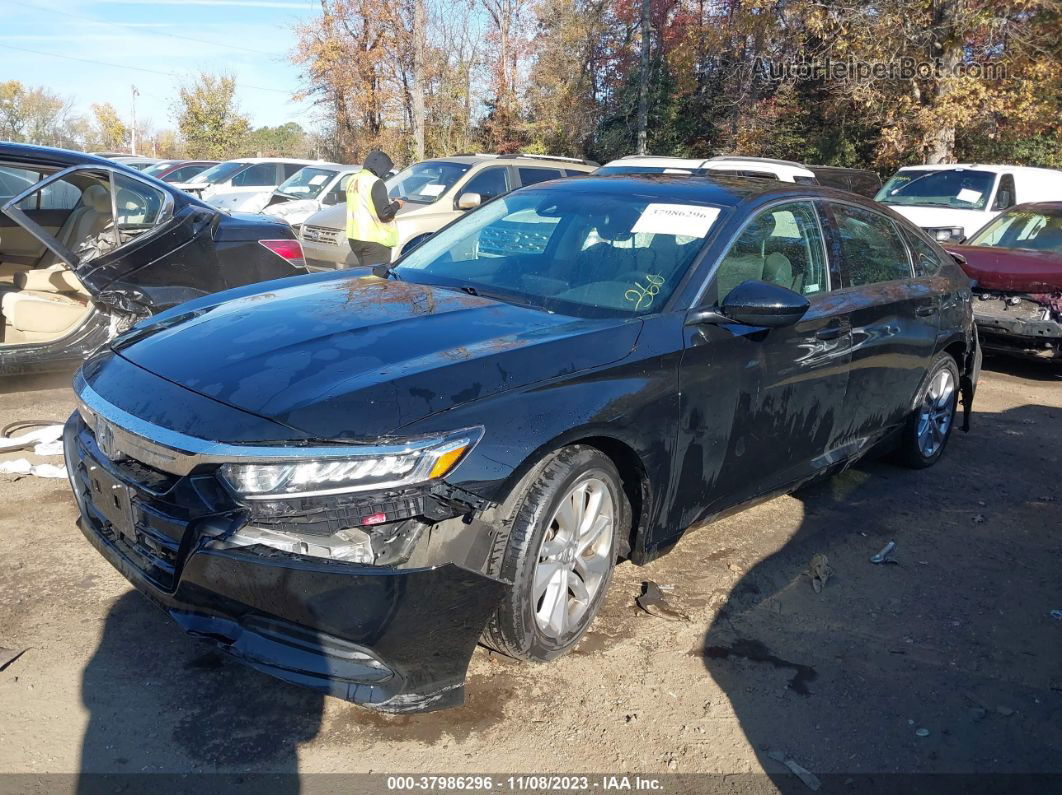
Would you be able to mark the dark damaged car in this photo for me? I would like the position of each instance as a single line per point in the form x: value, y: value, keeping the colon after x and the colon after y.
x: 349, y: 481
x: 88, y: 247
x: 1016, y: 262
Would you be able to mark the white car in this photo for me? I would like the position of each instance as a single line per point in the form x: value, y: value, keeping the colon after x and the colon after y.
x: 723, y: 165
x: 243, y: 185
x: 952, y: 201
x: 310, y: 189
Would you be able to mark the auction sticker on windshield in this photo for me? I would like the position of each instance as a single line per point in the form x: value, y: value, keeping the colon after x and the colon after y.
x: 970, y: 196
x: 676, y: 219
x: 433, y: 189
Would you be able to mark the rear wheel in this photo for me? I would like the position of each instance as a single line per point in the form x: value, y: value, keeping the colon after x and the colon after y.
x: 559, y: 553
x: 929, y: 426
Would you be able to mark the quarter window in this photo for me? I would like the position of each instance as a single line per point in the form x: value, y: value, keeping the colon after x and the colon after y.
x: 926, y: 260
x: 139, y: 205
x: 783, y: 246
x: 871, y: 245
x: 488, y: 183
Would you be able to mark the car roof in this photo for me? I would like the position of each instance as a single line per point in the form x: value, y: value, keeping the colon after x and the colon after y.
x: 516, y: 160
x: 56, y: 158
x: 996, y: 168
x: 724, y: 191
x: 718, y: 162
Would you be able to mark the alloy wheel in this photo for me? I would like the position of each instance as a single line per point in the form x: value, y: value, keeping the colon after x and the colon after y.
x: 936, y: 413
x: 574, y: 558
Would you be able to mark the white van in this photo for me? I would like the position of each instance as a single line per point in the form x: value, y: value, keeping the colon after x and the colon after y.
x: 243, y: 185
x: 722, y: 165
x: 952, y: 201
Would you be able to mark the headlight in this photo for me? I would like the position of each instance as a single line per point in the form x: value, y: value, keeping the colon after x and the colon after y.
x: 945, y: 234
x: 364, y: 469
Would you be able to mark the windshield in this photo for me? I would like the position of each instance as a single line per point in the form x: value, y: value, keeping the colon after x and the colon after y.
x: 1027, y: 229
x: 307, y: 183
x: 219, y: 173
x: 424, y: 183
x: 588, y: 255
x: 960, y: 188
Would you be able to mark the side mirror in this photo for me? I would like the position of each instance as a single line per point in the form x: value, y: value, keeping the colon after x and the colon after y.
x: 330, y: 198
x: 469, y: 201
x: 756, y: 303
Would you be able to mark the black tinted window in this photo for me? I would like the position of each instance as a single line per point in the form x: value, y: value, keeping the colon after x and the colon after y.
x: 926, y: 260
x: 488, y: 183
x: 258, y: 175
x: 290, y: 169
x: 871, y: 245
x: 1005, y: 193
x: 783, y: 246
x: 529, y: 176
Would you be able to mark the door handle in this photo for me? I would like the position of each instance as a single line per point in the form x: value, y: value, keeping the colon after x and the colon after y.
x: 832, y: 331
x: 926, y: 310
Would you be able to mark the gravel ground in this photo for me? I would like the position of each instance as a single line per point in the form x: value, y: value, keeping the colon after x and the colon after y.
x: 947, y: 662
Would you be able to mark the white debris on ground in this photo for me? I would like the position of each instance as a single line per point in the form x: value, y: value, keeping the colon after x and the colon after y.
x: 46, y: 441
x: 21, y: 466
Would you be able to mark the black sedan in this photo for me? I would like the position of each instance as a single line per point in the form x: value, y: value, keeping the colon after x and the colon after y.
x: 349, y: 481
x: 89, y: 246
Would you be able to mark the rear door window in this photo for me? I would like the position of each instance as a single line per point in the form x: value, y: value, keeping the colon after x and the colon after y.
x: 871, y: 246
x: 782, y: 245
x: 529, y: 176
x: 260, y: 175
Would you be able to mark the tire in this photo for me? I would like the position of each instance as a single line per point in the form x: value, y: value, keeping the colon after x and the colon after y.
x: 929, y: 427
x: 538, y: 541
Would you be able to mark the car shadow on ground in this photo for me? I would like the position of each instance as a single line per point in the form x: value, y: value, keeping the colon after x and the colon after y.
x: 941, y: 662
x: 161, y: 703
x: 14, y: 384
x: 1029, y: 369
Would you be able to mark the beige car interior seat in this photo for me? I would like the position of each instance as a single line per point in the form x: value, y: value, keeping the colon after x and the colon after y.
x: 49, y: 303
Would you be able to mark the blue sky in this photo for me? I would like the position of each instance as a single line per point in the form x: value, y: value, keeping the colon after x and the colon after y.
x: 249, y: 38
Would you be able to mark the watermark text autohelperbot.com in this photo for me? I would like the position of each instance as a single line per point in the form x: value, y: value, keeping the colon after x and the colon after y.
x: 905, y: 68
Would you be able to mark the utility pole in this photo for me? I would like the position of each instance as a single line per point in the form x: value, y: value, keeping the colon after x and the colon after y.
x: 643, y: 81
x: 420, y: 21
x: 132, y: 136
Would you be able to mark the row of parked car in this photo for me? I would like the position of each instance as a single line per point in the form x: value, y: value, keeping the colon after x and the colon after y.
x: 349, y: 481
x: 951, y: 203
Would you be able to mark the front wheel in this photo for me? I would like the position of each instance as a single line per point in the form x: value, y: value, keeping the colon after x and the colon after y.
x: 928, y: 428
x: 559, y: 553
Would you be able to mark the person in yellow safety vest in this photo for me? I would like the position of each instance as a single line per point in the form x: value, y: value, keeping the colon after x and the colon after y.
x: 371, y: 228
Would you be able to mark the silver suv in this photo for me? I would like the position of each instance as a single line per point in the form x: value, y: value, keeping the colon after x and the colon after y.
x: 436, y: 192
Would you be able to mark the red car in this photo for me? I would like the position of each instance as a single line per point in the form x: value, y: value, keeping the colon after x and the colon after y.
x: 1016, y: 262
x: 178, y: 170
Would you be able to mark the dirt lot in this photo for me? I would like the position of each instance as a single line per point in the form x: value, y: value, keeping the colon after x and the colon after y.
x: 957, y: 639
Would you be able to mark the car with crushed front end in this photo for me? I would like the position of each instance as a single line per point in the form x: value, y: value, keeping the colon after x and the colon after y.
x: 88, y: 247
x: 349, y: 480
x: 1016, y: 264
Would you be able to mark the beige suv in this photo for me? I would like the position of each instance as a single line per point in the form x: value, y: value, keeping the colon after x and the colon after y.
x: 435, y: 192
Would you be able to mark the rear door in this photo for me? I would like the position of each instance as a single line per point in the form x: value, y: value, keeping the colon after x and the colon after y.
x: 761, y: 405
x: 893, y: 315
x: 120, y: 228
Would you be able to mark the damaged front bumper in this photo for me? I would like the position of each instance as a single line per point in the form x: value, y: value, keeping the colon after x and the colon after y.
x: 392, y: 638
x: 1018, y: 326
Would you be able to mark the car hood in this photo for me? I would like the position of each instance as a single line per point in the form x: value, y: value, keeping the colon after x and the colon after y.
x: 1012, y: 269
x: 933, y: 217
x: 358, y: 358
